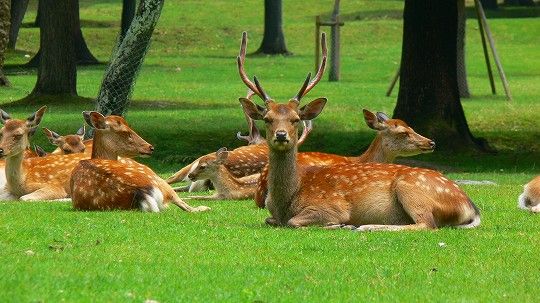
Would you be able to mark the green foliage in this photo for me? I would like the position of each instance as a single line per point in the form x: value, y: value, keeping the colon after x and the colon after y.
x: 185, y: 102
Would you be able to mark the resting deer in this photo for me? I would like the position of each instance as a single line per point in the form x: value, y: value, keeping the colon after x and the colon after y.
x: 394, y: 139
x: 104, y: 183
x: 228, y: 187
x: 36, y: 178
x: 68, y: 144
x: 530, y: 198
x: 369, y: 196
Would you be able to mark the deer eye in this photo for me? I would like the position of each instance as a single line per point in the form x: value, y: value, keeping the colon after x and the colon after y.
x: 268, y: 120
x: 17, y: 137
x: 294, y: 121
x: 202, y: 166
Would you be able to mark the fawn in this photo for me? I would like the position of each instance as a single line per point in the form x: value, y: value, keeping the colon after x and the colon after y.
x: 530, y: 198
x: 211, y: 167
x: 368, y: 196
x: 104, y: 183
x: 69, y: 144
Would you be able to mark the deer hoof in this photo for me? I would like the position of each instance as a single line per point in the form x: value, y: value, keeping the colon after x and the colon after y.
x: 201, y: 208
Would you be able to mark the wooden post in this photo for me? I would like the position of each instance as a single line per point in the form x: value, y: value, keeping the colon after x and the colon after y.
x: 493, y: 50
x: 333, y: 74
x: 484, y: 46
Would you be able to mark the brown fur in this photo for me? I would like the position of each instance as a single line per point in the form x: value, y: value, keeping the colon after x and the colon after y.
x: 530, y: 198
x: 103, y: 182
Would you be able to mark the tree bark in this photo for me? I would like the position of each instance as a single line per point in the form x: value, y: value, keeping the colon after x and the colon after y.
x: 273, y: 40
x: 120, y: 76
x: 5, y: 8
x: 82, y: 53
x: 57, y: 72
x: 428, y: 98
x: 463, y: 86
x: 18, y: 9
x: 128, y: 13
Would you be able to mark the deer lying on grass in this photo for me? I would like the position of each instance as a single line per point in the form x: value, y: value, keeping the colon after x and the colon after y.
x: 530, y: 198
x: 370, y: 196
x: 228, y: 187
x: 104, y: 183
x: 69, y: 144
x: 37, y: 178
x: 394, y: 139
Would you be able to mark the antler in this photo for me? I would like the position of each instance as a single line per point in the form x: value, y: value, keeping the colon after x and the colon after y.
x: 254, y: 136
x: 256, y: 88
x: 308, y: 85
x: 308, y: 127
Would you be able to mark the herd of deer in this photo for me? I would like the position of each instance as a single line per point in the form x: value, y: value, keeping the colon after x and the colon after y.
x: 363, y: 193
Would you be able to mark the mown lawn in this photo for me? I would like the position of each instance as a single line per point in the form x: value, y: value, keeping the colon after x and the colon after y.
x: 185, y: 103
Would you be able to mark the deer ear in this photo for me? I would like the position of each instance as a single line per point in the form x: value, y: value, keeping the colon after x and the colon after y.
x: 4, y: 116
x: 95, y: 119
x: 39, y: 151
x: 382, y: 117
x: 53, y: 137
x: 372, y: 121
x: 251, y: 109
x: 34, y: 119
x: 221, y: 155
x: 80, y: 132
x: 313, y: 109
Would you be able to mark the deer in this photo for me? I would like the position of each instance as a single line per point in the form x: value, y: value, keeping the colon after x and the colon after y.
x: 530, y: 198
x: 394, y: 139
x: 105, y: 183
x: 228, y: 187
x: 241, y: 162
x: 36, y: 178
x: 367, y: 196
x: 69, y: 144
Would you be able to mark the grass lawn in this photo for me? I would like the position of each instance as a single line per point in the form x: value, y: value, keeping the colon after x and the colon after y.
x: 185, y: 103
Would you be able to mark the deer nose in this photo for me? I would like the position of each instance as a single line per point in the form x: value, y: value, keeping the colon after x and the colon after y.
x: 281, y: 135
x: 1, y: 151
x: 151, y: 148
x: 432, y: 144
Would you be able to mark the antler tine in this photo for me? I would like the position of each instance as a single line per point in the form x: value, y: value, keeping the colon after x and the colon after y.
x: 308, y: 127
x: 240, y: 61
x: 302, y: 89
x: 321, y: 69
x: 262, y: 93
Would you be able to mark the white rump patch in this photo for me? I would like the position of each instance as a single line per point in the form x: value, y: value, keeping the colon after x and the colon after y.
x: 152, y: 201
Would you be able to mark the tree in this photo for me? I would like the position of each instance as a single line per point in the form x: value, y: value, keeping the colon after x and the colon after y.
x: 463, y: 86
x: 5, y: 7
x: 428, y: 96
x: 57, y: 71
x: 82, y: 53
x: 18, y: 9
x: 273, y: 42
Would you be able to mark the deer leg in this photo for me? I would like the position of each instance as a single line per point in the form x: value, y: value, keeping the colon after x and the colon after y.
x: 310, y: 217
x: 46, y: 193
x: 271, y: 221
x: 199, y: 185
x: 182, y: 188
x: 377, y: 227
x: 212, y: 197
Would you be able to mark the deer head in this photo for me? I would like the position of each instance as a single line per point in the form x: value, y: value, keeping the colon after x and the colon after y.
x: 16, y: 133
x: 112, y: 133
x: 397, y: 136
x: 282, y: 119
x: 69, y: 143
x: 209, y: 165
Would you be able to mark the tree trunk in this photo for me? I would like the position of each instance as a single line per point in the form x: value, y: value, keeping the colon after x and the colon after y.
x: 5, y: 8
x: 18, y: 9
x: 463, y: 86
x: 38, y: 16
x: 128, y: 12
x: 489, y: 4
x: 57, y: 72
x: 428, y: 98
x: 273, y: 40
x: 120, y: 76
x: 82, y: 53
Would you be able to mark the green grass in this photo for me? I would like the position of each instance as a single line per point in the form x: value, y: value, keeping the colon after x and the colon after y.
x: 185, y: 103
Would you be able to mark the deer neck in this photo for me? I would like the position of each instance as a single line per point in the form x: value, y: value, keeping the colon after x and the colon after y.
x: 283, y: 184
x: 15, y: 174
x: 101, y: 149
x: 376, y: 153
